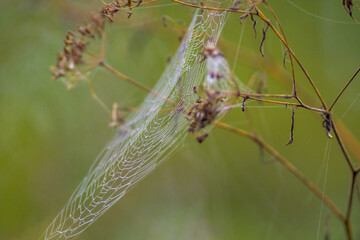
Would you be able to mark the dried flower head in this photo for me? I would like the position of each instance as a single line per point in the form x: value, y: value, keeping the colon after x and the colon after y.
x: 76, y: 43
x: 110, y: 9
x: 204, y: 112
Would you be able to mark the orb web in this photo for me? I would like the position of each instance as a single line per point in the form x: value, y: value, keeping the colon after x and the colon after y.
x: 150, y: 134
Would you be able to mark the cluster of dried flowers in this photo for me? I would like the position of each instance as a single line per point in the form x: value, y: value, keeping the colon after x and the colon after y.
x: 76, y: 43
x: 204, y: 112
x: 110, y: 9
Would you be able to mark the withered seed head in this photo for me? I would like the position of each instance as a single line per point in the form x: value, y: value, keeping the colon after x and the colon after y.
x: 204, y: 112
x: 77, y: 43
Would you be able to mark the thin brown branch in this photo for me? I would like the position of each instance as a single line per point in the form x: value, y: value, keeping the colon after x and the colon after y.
x: 351, y: 142
x: 254, y: 60
x: 96, y: 98
x: 347, y: 221
x: 290, y: 56
x: 135, y: 83
x: 286, y: 104
x: 266, y: 20
x: 348, y: 231
x: 342, y: 146
x: 344, y: 88
x: 212, y: 8
x: 271, y: 101
x: 289, y: 166
x: 139, y: 4
x: 261, y: 95
x: 351, y: 195
x: 263, y: 144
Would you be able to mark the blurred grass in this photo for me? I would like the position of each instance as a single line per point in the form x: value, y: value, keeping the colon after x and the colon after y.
x: 50, y: 136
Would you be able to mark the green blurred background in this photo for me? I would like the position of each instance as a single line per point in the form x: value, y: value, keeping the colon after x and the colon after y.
x: 216, y: 190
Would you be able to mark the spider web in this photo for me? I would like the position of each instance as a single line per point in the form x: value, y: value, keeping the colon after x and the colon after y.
x: 149, y: 136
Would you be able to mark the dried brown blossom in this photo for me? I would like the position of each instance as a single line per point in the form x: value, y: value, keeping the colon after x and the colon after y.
x: 76, y: 43
x: 204, y: 112
x: 110, y: 9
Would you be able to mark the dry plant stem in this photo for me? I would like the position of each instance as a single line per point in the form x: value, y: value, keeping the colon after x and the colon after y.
x: 96, y: 98
x: 88, y: 67
x: 285, y: 96
x: 211, y: 8
x: 272, y: 151
x: 282, y: 160
x: 266, y: 20
x: 349, y: 139
x: 350, y: 200
x: 343, y: 149
x: 274, y: 102
x: 355, y: 173
x: 286, y: 164
x: 145, y: 88
x: 258, y: 97
x: 136, y: 5
x: 344, y: 88
x: 269, y: 66
x: 277, y: 72
x: 348, y: 230
x: 289, y: 104
x: 261, y: 95
x: 133, y: 82
x: 290, y: 56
